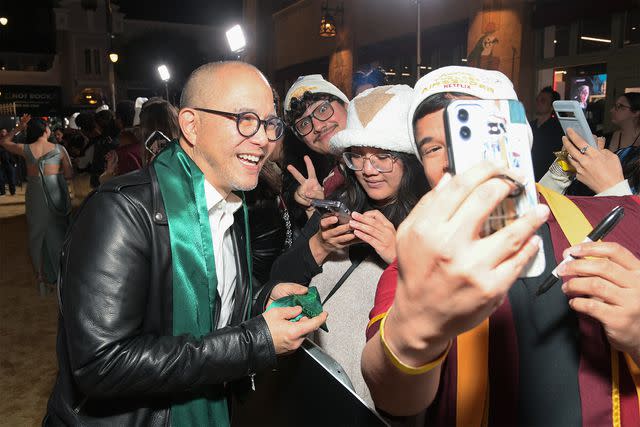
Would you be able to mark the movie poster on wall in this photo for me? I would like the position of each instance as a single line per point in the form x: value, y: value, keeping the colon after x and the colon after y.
x: 494, y: 41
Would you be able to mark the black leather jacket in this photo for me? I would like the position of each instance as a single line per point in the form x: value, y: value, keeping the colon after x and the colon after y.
x: 119, y: 364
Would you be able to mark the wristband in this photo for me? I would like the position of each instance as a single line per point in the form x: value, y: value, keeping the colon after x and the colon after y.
x: 403, y: 367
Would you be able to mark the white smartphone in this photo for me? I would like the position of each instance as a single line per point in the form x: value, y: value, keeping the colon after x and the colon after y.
x: 497, y: 131
x: 571, y: 116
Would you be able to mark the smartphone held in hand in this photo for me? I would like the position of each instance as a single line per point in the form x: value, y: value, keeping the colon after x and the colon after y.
x: 495, y: 131
x: 334, y: 207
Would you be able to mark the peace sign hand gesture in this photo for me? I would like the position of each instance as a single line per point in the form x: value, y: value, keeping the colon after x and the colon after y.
x: 309, y: 188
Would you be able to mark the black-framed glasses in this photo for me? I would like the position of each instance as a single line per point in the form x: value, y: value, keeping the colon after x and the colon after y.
x: 382, y: 162
x: 248, y: 123
x: 619, y: 106
x: 322, y: 112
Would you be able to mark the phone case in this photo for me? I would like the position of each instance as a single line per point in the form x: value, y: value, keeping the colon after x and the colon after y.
x: 571, y: 116
x: 335, y: 207
x: 497, y: 131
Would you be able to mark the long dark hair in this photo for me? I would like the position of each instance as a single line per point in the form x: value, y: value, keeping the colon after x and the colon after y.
x: 35, y: 129
x: 413, y: 186
x: 634, y: 103
x: 631, y: 168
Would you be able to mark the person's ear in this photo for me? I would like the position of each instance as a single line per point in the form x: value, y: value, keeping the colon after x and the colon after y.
x: 188, y: 120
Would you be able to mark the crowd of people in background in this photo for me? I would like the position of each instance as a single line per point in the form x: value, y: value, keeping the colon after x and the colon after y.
x: 411, y: 228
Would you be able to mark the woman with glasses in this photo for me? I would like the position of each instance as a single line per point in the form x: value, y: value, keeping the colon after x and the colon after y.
x: 599, y: 171
x: 344, y: 256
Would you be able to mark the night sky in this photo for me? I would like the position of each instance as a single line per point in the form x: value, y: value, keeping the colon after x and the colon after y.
x: 204, y: 12
x: 31, y: 22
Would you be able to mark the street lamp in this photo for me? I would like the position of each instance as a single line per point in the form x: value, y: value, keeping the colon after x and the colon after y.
x: 165, y: 76
x: 3, y: 21
x: 235, y: 38
x: 113, y: 57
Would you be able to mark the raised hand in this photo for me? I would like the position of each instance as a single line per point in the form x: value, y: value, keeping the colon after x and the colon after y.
x: 24, y: 120
x: 309, y: 187
x: 597, y: 168
x: 441, y: 255
x: 375, y: 229
x: 606, y: 287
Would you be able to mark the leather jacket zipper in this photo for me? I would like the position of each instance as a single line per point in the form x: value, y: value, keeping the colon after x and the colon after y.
x: 80, y: 405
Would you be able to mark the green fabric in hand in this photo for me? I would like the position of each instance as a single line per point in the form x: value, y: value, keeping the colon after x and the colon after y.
x: 310, y: 303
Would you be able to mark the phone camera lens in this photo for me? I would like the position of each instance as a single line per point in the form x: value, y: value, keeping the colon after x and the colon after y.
x: 465, y: 132
x: 463, y: 115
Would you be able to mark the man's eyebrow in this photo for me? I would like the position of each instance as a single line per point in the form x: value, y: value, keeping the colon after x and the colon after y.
x: 423, y: 141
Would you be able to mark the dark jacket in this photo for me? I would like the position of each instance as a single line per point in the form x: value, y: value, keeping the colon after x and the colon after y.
x: 119, y: 364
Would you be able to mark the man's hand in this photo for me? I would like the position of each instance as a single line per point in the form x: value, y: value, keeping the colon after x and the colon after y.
x: 607, y: 288
x: 331, y: 237
x: 450, y: 279
x: 597, y: 168
x: 282, y: 290
x: 309, y: 188
x: 288, y: 336
x: 375, y: 229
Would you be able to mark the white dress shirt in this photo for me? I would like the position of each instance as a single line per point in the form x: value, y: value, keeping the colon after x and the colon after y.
x: 220, y: 220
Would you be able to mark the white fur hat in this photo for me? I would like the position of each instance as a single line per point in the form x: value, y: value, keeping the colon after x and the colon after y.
x: 377, y: 118
x: 483, y: 84
x: 313, y: 83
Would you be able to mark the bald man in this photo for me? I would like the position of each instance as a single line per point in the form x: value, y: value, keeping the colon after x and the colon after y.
x: 158, y: 314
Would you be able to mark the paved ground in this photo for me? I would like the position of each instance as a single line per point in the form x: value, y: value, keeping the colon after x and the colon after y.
x: 28, y: 321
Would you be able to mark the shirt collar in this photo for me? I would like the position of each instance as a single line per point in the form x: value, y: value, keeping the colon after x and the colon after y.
x: 215, y: 200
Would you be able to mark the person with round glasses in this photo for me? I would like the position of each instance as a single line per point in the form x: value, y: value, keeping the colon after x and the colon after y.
x: 344, y: 257
x: 162, y: 317
x: 315, y: 110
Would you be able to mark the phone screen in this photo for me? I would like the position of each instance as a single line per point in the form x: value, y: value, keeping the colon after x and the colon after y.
x: 495, y: 131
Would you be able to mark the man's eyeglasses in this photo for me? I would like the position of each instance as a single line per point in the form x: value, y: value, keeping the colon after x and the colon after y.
x: 248, y: 123
x: 619, y: 106
x: 322, y: 112
x: 381, y: 162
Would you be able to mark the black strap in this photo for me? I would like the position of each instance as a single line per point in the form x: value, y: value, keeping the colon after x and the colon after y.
x: 354, y: 264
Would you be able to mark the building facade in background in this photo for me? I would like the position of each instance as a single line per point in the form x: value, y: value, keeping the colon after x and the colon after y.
x: 72, y: 69
x: 536, y: 43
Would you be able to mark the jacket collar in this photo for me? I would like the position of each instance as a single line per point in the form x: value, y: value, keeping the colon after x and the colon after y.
x: 159, y: 213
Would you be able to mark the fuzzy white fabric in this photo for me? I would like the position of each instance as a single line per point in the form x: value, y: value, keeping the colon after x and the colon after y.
x: 377, y: 118
x: 313, y: 83
x: 483, y: 84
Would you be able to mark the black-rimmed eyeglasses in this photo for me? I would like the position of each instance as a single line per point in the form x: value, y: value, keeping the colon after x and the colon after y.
x: 322, y: 112
x: 248, y: 123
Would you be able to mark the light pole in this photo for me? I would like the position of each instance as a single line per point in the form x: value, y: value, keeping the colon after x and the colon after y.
x: 165, y: 76
x: 235, y: 38
x: 113, y: 58
x: 3, y: 21
x: 418, y: 50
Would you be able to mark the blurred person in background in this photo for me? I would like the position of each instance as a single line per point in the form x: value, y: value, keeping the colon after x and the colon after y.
x: 8, y: 168
x: 367, y: 78
x: 48, y: 204
x: 547, y: 132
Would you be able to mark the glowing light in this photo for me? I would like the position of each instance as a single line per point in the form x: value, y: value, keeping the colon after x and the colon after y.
x: 595, y: 39
x: 236, y: 39
x: 164, y: 73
